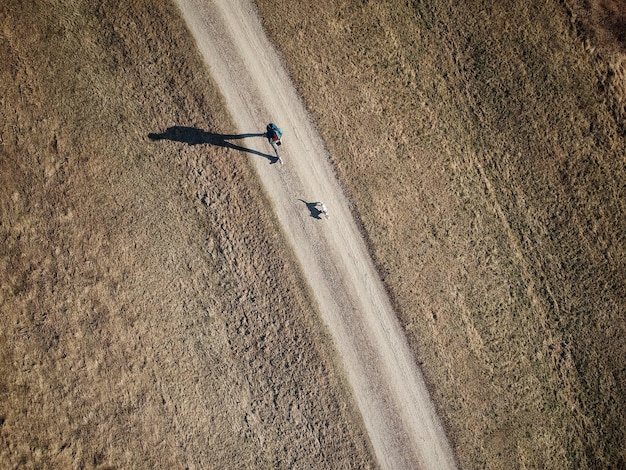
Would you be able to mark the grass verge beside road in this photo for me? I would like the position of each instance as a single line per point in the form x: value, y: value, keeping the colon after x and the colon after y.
x: 149, y: 314
x: 483, y: 147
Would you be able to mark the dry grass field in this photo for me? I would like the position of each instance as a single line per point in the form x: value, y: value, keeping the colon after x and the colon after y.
x: 149, y: 314
x: 483, y: 144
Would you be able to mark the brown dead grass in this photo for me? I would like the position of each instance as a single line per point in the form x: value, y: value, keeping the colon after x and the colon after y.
x: 483, y: 146
x: 150, y: 316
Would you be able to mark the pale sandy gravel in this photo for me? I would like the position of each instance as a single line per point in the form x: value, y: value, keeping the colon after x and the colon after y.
x: 388, y: 387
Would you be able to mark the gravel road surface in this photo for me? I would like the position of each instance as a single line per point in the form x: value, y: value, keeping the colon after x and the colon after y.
x: 387, y: 384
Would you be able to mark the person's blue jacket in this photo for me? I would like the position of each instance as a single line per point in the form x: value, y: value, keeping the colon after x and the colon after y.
x: 274, y: 133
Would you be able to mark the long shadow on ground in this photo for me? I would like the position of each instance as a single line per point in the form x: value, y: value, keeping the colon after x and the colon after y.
x: 195, y: 136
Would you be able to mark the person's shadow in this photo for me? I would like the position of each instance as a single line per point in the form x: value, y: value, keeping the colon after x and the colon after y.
x: 312, y: 207
x: 195, y: 136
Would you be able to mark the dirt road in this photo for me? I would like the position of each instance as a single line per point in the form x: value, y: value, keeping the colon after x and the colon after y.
x: 388, y: 387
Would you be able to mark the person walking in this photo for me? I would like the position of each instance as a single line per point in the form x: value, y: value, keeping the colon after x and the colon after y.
x: 274, y: 136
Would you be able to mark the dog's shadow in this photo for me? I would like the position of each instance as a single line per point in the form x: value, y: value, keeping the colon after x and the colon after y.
x: 313, y: 209
x: 195, y: 136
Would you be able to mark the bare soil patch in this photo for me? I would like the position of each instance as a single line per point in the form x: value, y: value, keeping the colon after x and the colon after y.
x: 483, y: 147
x: 151, y: 316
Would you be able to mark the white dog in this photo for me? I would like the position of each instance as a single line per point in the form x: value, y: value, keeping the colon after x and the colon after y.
x: 323, y: 209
